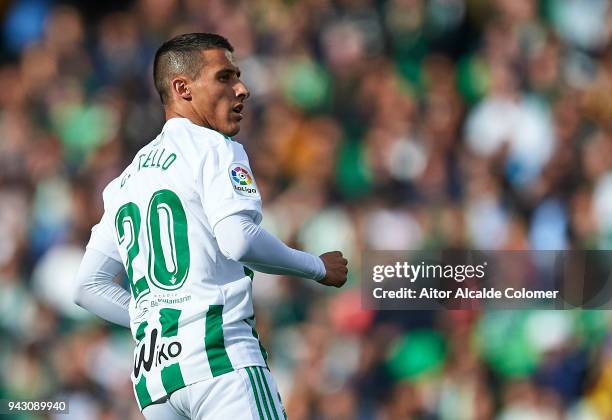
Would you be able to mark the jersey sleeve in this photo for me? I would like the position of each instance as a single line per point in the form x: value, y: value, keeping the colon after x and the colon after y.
x: 103, y: 236
x: 228, y: 184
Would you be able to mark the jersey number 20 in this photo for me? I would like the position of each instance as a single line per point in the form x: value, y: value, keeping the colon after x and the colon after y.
x: 168, y: 257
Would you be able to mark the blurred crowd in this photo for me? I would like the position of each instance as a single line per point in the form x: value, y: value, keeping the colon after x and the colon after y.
x: 372, y: 124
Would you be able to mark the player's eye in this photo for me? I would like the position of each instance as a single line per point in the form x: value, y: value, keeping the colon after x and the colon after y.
x: 225, y: 76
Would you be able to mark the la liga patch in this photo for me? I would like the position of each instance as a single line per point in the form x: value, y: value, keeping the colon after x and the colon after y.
x: 242, y: 180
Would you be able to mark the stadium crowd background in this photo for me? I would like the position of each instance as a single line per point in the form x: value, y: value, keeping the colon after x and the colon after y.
x: 399, y: 124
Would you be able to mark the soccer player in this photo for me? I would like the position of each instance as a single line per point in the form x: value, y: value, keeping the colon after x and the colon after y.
x: 183, y: 221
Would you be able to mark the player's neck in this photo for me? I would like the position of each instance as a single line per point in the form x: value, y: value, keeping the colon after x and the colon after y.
x: 195, y: 119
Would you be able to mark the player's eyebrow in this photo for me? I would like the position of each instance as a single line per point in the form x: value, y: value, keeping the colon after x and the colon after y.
x: 230, y: 71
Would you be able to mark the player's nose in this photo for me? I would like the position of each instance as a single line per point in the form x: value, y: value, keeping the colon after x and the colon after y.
x: 242, y: 91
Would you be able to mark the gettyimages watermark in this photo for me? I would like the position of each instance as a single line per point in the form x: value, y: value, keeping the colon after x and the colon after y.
x: 434, y: 280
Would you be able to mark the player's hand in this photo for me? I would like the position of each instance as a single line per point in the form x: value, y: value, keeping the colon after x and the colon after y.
x: 335, y: 269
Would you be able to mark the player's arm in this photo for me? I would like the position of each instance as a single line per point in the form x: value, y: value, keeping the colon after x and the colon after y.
x: 241, y: 239
x: 232, y: 205
x: 96, y: 291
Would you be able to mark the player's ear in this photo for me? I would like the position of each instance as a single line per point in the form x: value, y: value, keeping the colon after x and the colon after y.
x: 180, y: 87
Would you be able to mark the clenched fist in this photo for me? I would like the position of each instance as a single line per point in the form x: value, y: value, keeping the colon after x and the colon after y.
x: 335, y: 269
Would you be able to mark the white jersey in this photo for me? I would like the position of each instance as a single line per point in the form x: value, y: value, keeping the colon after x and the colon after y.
x: 191, y: 309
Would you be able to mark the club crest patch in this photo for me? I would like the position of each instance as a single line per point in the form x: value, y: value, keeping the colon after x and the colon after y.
x: 242, y: 180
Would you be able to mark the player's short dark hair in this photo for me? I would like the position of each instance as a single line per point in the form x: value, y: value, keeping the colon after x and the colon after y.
x: 181, y: 55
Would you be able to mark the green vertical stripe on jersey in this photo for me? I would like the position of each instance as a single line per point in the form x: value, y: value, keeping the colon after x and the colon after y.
x: 215, y: 344
x: 140, y: 331
x: 264, y: 353
x: 280, y: 401
x: 268, y: 393
x: 255, y: 394
x: 249, y: 272
x: 261, y: 391
x: 168, y: 318
x: 142, y: 393
x: 172, y: 378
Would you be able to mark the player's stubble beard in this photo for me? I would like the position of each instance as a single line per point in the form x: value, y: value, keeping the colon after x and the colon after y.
x: 224, y: 120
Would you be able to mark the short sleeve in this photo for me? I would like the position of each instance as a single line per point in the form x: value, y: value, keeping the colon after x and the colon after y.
x: 103, y: 237
x: 229, y: 186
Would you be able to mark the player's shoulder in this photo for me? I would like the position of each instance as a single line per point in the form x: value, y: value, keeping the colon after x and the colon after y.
x: 183, y: 132
x: 111, y: 189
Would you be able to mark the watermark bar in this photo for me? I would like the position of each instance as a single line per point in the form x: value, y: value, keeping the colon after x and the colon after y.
x: 437, y: 280
x: 22, y: 406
